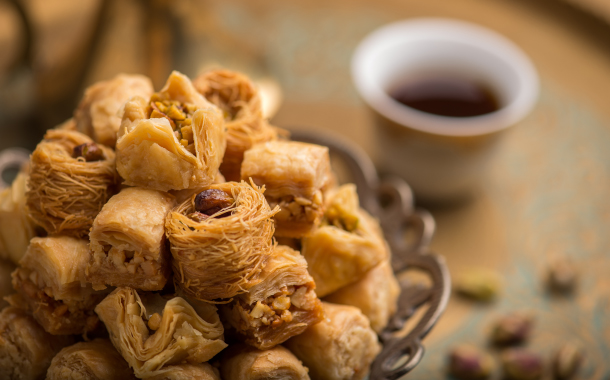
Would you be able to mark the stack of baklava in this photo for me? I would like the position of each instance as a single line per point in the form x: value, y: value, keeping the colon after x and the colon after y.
x: 173, y: 235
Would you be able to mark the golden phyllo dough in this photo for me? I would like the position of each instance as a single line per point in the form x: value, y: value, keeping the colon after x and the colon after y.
x: 153, y: 333
x: 175, y: 140
x: 242, y: 362
x: 128, y: 241
x: 295, y: 175
x: 346, y: 246
x: 99, y: 112
x: 50, y: 282
x: 94, y: 360
x: 282, y: 305
x: 202, y: 371
x: 238, y: 98
x: 341, y: 347
x: 16, y: 228
x: 71, y: 178
x: 220, y: 240
x: 375, y: 294
x: 26, y: 350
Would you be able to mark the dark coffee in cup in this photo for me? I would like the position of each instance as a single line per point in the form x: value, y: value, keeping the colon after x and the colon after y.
x: 446, y: 95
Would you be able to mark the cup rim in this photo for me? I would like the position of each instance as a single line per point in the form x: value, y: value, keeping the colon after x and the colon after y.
x: 450, y: 30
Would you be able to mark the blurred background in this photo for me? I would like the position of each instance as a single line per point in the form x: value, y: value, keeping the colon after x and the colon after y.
x: 545, y: 198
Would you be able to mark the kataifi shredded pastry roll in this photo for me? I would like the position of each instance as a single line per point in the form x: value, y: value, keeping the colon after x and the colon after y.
x: 283, y: 304
x: 341, y: 347
x: 153, y: 332
x: 375, y: 294
x: 242, y: 362
x: 50, y: 282
x: 71, y: 178
x: 295, y: 175
x: 99, y: 112
x: 202, y: 371
x: 94, y: 360
x: 128, y: 241
x: 26, y: 350
x: 16, y: 228
x: 220, y: 240
x: 346, y: 246
x: 175, y: 140
x: 240, y: 102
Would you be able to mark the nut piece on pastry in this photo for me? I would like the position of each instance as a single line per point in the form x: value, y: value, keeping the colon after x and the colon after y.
x: 153, y: 333
x: 346, y: 246
x: 175, y: 140
x: 98, y: 113
x: 26, y: 350
x: 50, y: 282
x: 341, y: 347
x: 94, y: 360
x: 242, y: 362
x: 375, y: 294
x: 282, y: 305
x: 294, y: 174
x: 16, y: 229
x: 65, y: 191
x: 220, y: 243
x: 240, y: 102
x: 128, y: 241
x: 202, y: 371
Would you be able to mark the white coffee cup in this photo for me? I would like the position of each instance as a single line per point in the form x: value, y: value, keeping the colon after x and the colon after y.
x: 442, y: 158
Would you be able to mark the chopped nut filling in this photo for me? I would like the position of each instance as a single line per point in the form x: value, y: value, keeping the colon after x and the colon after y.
x: 341, y: 217
x: 89, y: 151
x: 154, y: 322
x: 179, y: 116
x: 211, y: 201
x: 132, y: 262
x: 278, y: 309
x: 298, y: 208
x: 39, y: 296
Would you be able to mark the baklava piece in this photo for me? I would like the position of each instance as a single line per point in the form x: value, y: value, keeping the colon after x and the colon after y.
x: 50, y: 282
x: 173, y: 140
x: 71, y: 178
x: 346, y: 246
x: 282, y: 305
x: 98, y: 113
x: 16, y: 228
x: 94, y: 360
x: 26, y: 350
x: 220, y: 240
x: 341, y: 347
x: 240, y: 102
x: 153, y: 333
x: 375, y: 294
x: 128, y: 241
x: 295, y: 175
x: 242, y: 362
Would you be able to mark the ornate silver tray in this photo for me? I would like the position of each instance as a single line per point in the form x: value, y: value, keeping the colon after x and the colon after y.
x: 391, y: 201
